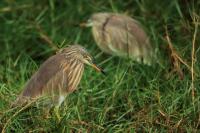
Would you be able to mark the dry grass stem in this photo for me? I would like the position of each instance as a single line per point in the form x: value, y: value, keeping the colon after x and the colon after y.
x: 10, y: 9
x: 195, y: 20
x: 175, y: 58
x: 45, y: 37
x: 15, y: 114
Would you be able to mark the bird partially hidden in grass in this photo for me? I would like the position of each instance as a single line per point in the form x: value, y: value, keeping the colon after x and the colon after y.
x: 120, y: 35
x: 58, y: 76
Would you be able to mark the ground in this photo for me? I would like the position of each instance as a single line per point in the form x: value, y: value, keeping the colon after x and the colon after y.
x: 132, y: 97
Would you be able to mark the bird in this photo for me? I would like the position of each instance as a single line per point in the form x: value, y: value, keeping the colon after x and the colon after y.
x: 120, y: 35
x: 58, y: 76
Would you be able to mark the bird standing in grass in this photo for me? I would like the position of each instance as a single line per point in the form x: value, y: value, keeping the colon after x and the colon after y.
x: 120, y: 35
x: 58, y: 76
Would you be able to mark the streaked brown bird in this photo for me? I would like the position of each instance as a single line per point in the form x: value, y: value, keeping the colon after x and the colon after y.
x: 58, y: 75
x: 120, y: 35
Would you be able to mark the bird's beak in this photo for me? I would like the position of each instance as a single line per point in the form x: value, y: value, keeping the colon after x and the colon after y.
x: 86, y: 24
x: 83, y: 24
x: 97, y: 68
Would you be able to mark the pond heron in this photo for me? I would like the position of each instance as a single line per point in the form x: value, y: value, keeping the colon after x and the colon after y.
x: 58, y: 75
x: 120, y: 35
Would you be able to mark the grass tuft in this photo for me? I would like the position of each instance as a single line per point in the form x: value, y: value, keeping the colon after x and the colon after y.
x: 131, y: 97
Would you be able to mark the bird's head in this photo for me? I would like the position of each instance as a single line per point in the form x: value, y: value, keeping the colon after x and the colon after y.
x: 96, y: 19
x: 79, y: 53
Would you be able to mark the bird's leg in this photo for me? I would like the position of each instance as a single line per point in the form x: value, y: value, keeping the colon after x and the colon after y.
x: 46, y: 107
x: 46, y: 113
x: 56, y: 108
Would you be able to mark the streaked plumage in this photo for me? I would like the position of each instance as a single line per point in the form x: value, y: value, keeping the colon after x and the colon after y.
x: 57, y: 76
x: 121, y: 35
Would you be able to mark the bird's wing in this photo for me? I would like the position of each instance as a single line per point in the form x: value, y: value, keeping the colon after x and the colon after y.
x: 120, y: 40
x: 131, y: 25
x: 47, y: 71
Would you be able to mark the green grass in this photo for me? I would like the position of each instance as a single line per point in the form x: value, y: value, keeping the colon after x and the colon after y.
x: 131, y: 97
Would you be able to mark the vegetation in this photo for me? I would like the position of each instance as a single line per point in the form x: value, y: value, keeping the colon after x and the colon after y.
x: 132, y: 97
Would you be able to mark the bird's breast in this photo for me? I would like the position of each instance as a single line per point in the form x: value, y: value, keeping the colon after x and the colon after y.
x: 101, y: 38
x: 74, y: 75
